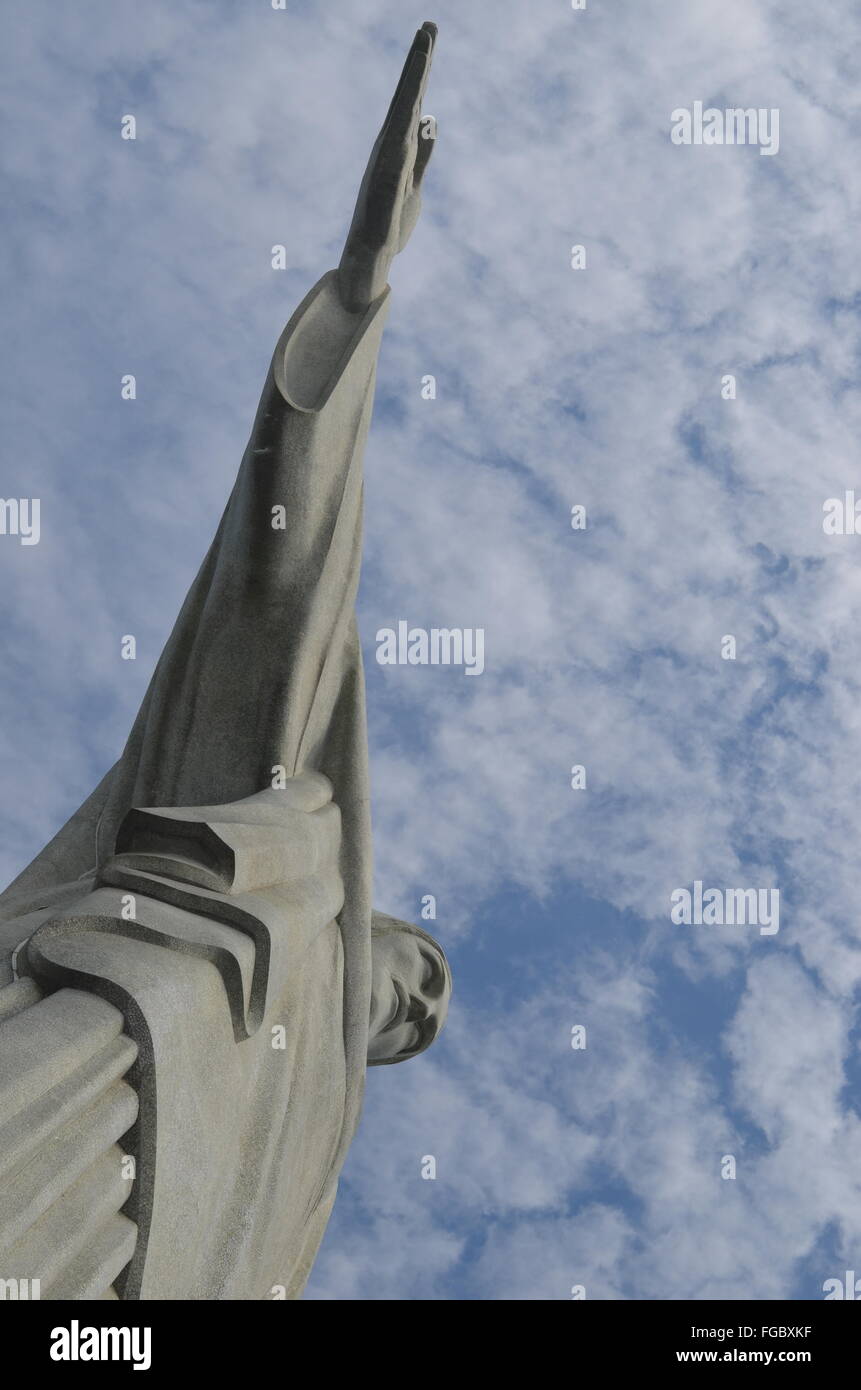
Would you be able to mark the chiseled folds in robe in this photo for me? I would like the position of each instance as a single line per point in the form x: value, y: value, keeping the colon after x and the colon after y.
x: 65, y: 1103
x: 262, y: 671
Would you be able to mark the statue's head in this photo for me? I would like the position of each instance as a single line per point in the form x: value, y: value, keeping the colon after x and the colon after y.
x: 410, y: 990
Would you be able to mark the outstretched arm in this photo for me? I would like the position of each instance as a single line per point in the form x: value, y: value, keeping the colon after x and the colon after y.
x: 255, y: 666
x: 334, y: 316
x: 263, y: 668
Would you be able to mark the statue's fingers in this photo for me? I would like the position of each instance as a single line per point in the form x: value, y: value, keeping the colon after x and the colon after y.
x: 398, y: 142
x: 425, y: 131
x: 395, y: 151
x: 384, y: 195
x: 391, y: 168
x: 431, y: 30
x: 422, y: 43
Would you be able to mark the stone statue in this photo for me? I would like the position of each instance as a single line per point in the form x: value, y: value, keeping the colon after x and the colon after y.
x: 193, y: 979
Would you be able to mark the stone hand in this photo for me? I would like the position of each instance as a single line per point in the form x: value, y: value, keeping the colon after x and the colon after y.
x: 389, y: 199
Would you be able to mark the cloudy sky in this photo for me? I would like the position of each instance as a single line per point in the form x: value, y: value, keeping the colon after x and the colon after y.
x: 601, y: 386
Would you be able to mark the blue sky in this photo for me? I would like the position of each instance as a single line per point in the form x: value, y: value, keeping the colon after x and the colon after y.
x: 600, y: 386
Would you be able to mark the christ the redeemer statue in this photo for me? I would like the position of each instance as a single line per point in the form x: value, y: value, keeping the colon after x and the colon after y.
x: 193, y: 978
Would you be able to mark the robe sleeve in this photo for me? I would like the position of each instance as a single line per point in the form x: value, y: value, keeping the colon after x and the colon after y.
x: 261, y: 677
x: 262, y: 669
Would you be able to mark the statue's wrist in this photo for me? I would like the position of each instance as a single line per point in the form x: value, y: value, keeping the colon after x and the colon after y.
x: 361, y: 280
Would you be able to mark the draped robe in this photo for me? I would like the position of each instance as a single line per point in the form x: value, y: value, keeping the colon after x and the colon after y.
x: 237, y: 820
